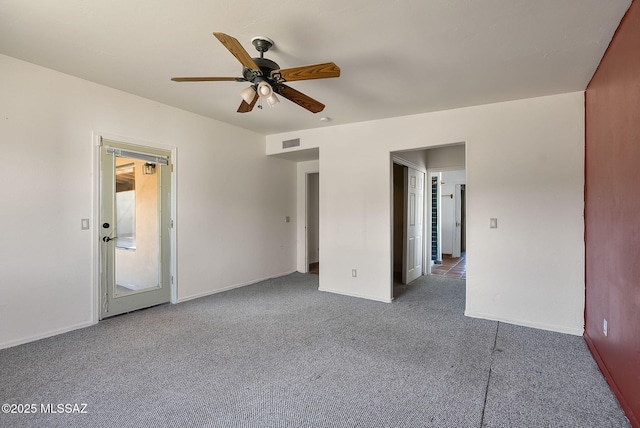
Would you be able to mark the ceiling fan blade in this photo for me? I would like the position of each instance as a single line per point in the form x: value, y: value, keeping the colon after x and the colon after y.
x: 307, y: 72
x: 245, y: 107
x: 208, y: 79
x: 299, y: 98
x: 234, y: 46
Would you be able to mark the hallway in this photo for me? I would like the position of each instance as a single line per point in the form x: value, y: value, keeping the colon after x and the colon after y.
x: 451, y: 267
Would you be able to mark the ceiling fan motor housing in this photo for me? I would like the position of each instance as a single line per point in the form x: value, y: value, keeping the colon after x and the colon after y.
x: 266, y: 66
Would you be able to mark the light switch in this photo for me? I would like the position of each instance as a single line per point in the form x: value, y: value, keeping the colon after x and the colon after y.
x: 493, y: 223
x: 287, y: 219
x: 84, y: 223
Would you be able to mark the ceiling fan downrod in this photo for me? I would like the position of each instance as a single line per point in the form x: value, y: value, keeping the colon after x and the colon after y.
x: 262, y: 44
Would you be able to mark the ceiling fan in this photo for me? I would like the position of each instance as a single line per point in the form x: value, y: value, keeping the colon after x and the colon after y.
x: 266, y: 77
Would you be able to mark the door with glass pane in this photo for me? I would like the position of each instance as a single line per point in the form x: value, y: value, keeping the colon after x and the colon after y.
x: 134, y: 227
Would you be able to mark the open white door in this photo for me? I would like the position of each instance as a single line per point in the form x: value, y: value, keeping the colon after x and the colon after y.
x: 414, y: 200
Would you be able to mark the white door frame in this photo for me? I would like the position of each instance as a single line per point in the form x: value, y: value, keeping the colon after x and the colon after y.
x: 95, y: 240
x: 306, y: 222
x: 457, y: 231
x: 304, y: 168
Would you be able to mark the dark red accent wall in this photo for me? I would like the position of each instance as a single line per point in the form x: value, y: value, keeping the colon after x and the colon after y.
x: 612, y: 213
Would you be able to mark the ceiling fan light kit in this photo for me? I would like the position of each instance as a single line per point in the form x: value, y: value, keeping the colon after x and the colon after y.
x: 272, y: 100
x: 248, y: 94
x: 266, y: 76
x: 264, y: 89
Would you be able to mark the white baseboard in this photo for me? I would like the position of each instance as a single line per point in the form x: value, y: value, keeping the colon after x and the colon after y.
x: 44, y: 335
x: 231, y: 287
x: 360, y: 296
x: 50, y: 333
x: 539, y: 326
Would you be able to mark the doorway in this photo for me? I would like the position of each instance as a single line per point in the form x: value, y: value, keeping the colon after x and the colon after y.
x: 135, y: 227
x: 449, y: 223
x: 460, y: 231
x: 435, y: 162
x: 313, y: 223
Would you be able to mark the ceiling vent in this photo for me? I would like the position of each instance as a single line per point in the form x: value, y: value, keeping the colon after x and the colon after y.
x: 291, y: 143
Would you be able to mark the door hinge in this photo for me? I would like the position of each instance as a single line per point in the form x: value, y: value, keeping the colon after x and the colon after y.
x: 171, y: 279
x: 171, y: 224
x: 105, y: 303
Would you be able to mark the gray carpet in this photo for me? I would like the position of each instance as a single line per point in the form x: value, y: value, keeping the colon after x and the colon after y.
x: 282, y: 354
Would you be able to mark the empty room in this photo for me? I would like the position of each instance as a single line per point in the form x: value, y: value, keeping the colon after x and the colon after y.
x: 233, y: 213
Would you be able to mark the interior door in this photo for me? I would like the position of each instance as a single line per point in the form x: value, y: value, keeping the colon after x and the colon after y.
x: 135, y: 223
x: 457, y: 229
x: 414, y: 191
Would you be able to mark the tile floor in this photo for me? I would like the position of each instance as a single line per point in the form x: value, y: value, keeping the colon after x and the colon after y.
x: 451, y: 267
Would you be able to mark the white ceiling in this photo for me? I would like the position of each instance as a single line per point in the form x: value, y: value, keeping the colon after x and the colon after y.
x: 396, y: 57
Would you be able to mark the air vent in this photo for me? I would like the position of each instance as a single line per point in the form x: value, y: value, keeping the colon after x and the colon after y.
x: 291, y: 143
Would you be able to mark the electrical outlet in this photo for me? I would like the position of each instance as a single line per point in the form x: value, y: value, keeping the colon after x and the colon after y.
x: 605, y: 328
x: 493, y: 223
x: 354, y: 272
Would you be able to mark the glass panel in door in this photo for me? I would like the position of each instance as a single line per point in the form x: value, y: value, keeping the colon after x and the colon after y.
x: 135, y: 228
x: 137, y: 252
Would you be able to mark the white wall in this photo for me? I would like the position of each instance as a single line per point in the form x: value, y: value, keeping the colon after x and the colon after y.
x: 232, y: 199
x: 446, y: 158
x: 524, y: 163
x: 442, y: 158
